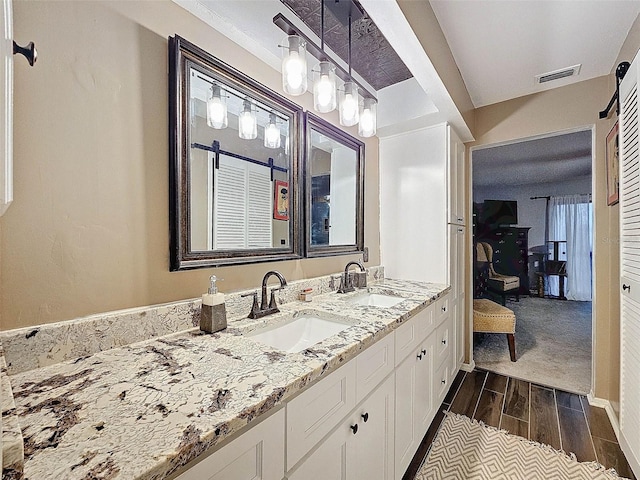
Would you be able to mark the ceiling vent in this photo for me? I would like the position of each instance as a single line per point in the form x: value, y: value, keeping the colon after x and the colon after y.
x: 557, y: 74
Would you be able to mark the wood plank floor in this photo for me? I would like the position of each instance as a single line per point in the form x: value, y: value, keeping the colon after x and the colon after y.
x: 561, y: 419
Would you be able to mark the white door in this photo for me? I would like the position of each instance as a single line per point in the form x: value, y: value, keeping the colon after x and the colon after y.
x: 630, y: 269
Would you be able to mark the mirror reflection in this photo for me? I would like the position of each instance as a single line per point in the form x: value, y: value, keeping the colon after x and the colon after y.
x: 334, y: 164
x: 233, y: 166
x: 239, y: 169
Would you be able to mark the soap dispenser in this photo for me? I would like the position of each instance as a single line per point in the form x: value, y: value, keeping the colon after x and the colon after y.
x: 213, y: 316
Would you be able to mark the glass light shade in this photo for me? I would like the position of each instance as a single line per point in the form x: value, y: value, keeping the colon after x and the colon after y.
x: 247, y: 122
x: 349, y: 105
x: 294, y: 65
x: 216, y: 109
x: 324, y: 88
x: 368, y: 118
x: 272, y: 133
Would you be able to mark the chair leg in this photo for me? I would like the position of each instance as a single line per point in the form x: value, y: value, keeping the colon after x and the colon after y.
x: 512, y: 346
x: 504, y: 299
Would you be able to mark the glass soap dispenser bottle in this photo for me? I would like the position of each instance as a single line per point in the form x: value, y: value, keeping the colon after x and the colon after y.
x: 213, y: 316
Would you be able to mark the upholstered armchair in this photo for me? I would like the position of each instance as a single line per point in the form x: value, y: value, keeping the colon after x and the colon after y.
x: 497, y: 283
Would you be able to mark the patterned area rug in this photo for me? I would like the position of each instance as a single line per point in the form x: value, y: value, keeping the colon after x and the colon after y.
x: 553, y: 343
x: 465, y: 449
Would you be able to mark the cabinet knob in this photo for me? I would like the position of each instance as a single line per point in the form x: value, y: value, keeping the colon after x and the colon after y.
x: 420, y: 355
x: 444, y: 309
x: 354, y: 428
x: 444, y: 341
x: 365, y: 417
x: 443, y: 381
x: 626, y: 287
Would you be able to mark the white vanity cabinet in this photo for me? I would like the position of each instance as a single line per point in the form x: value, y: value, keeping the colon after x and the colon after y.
x: 363, y: 421
x: 256, y: 454
x: 361, y: 448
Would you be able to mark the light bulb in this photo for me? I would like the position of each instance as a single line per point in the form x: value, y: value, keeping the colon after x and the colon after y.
x: 272, y: 133
x: 293, y: 69
x: 294, y: 66
x: 324, y: 88
x: 247, y: 122
x: 216, y: 109
x: 368, y: 121
x: 349, y: 105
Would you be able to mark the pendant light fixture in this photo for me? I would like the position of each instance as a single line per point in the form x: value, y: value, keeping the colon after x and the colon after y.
x: 248, y: 122
x: 368, y: 118
x: 294, y: 65
x: 217, y: 108
x: 349, y: 114
x: 272, y: 133
x: 324, y: 86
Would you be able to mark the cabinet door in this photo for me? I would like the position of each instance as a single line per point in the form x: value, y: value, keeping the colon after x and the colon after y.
x: 424, y: 385
x: 407, y: 434
x: 373, y: 443
x: 332, y: 460
x: 414, y: 403
x: 257, y: 454
x: 457, y: 186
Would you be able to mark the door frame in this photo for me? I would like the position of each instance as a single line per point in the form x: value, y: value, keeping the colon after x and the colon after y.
x: 470, y: 364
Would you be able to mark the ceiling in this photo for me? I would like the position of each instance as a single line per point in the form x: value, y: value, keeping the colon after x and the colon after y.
x: 500, y: 46
x: 542, y: 160
x: 371, y: 55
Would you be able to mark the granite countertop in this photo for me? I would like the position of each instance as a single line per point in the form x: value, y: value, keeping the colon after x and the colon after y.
x: 144, y: 410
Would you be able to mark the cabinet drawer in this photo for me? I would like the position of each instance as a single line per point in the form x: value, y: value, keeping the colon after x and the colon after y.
x: 257, y: 453
x: 443, y: 341
x: 412, y: 332
x: 316, y: 411
x: 373, y: 365
x: 442, y: 308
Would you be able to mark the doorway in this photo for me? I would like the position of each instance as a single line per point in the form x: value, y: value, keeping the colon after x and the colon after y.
x: 536, y: 193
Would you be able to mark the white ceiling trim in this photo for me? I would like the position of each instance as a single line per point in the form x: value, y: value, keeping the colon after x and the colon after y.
x: 392, y: 23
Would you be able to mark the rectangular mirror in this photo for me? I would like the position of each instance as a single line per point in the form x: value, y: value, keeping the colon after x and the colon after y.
x: 334, y: 177
x: 234, y: 165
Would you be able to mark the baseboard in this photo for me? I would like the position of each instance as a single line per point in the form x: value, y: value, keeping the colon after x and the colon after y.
x: 606, y: 404
x: 468, y: 367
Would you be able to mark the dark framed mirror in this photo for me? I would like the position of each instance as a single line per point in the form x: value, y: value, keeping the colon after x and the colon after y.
x: 234, y: 165
x: 334, y: 190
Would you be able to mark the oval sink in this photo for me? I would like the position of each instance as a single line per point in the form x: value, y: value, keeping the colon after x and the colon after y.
x: 375, y: 300
x: 300, y: 332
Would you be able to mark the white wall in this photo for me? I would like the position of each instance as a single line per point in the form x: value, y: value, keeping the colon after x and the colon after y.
x: 531, y: 213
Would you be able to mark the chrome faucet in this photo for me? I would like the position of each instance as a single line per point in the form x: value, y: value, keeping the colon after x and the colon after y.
x: 264, y: 308
x: 346, y: 283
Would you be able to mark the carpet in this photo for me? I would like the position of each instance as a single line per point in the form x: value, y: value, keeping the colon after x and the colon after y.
x: 553, y: 344
x: 465, y: 449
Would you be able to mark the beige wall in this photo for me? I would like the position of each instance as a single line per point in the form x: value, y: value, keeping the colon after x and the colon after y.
x: 571, y: 107
x: 627, y: 54
x: 88, y: 228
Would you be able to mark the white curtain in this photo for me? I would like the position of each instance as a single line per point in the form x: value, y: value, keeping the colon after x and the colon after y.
x: 571, y: 219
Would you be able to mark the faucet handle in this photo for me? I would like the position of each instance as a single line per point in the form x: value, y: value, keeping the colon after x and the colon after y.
x: 254, y: 308
x: 272, y: 301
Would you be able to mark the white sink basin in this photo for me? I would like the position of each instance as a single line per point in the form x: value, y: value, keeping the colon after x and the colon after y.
x: 301, y: 332
x: 375, y: 300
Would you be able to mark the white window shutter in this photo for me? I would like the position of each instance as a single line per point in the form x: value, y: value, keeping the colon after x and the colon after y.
x: 242, y: 200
